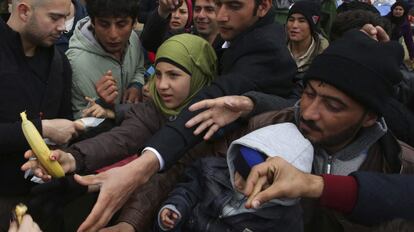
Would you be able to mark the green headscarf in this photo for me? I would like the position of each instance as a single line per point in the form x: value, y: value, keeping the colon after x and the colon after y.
x: 195, y: 55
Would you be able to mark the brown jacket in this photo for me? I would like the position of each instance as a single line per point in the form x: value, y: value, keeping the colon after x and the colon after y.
x: 387, y: 155
x: 140, y: 123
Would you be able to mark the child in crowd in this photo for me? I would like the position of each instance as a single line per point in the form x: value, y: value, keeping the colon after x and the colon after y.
x: 211, y: 196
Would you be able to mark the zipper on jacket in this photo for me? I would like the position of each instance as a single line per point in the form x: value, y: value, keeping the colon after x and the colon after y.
x: 329, y: 165
x: 122, y: 80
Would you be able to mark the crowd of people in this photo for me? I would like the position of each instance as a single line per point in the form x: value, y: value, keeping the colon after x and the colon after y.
x: 216, y: 117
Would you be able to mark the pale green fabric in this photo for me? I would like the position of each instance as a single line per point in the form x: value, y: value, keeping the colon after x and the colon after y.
x: 90, y: 62
x: 193, y: 53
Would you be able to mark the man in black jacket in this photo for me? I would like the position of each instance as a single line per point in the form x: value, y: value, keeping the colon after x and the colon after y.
x: 255, y: 58
x: 35, y: 78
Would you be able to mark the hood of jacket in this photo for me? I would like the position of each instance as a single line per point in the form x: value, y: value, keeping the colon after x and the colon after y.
x: 283, y: 140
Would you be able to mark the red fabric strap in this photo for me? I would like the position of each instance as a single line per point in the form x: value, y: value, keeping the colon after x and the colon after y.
x: 339, y: 193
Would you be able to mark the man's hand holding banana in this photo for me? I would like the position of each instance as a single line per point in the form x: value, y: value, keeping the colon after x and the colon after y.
x: 66, y: 160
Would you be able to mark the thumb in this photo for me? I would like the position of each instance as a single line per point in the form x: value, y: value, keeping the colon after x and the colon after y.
x: 90, y: 100
x: 28, y: 154
x: 87, y: 180
x: 92, y: 181
x: 109, y: 72
x: 13, y: 226
x: 79, y: 126
x: 264, y: 196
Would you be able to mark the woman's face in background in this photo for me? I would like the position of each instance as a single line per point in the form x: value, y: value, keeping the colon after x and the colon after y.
x: 398, y: 11
x: 179, y: 17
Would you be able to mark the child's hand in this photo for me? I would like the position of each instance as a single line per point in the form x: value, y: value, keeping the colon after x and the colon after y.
x: 168, y: 218
x: 95, y: 110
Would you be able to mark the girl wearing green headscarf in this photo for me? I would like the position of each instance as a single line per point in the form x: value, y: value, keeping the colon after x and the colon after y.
x: 185, y: 63
x: 183, y: 66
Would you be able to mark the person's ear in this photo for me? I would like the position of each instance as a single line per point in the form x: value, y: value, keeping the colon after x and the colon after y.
x: 24, y: 11
x: 264, y: 7
x: 369, y: 119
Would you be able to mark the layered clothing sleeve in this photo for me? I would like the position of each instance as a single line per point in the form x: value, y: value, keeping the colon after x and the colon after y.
x: 245, y: 67
x: 375, y: 205
x: 140, y: 123
x: 188, y: 192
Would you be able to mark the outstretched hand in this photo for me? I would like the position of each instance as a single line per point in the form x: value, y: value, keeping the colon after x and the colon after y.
x: 276, y: 178
x: 96, y: 110
x: 116, y: 185
x: 218, y: 113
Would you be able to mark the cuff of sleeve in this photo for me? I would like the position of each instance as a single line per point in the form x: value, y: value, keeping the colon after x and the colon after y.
x: 159, y: 157
x: 252, y: 97
x: 339, y: 193
x: 135, y: 84
x: 170, y: 207
x: 102, y: 103
x: 79, y: 159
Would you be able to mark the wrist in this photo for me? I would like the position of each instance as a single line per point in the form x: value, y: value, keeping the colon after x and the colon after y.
x: 248, y: 106
x: 72, y: 163
x: 109, y: 114
x: 45, y: 128
x: 316, y: 185
x: 147, y: 164
x: 163, y: 13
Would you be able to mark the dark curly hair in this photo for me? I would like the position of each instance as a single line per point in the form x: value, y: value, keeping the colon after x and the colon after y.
x: 356, y: 19
x: 112, y: 8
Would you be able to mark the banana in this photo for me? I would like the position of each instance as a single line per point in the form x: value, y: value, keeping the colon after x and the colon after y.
x: 19, y: 211
x: 40, y: 148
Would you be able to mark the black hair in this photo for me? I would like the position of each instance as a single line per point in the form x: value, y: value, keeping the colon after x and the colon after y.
x: 256, y: 6
x: 357, y: 19
x: 112, y: 8
x: 356, y: 5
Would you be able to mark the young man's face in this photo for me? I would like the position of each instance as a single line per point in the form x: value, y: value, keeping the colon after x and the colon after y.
x: 297, y: 28
x: 113, y: 33
x: 235, y: 16
x: 205, y: 17
x: 46, y: 22
x: 330, y: 118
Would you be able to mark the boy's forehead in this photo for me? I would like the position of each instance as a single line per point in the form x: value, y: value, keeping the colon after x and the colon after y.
x: 297, y: 16
x: 230, y: 1
x: 204, y: 2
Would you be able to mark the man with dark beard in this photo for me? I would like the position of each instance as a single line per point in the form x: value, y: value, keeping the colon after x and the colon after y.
x: 341, y: 112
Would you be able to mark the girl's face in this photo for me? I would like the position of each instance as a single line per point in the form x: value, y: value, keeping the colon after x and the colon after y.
x: 179, y: 17
x: 172, y: 83
x: 398, y: 11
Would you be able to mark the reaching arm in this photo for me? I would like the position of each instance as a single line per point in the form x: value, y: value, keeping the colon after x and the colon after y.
x: 175, y: 139
x: 366, y: 197
x: 141, y: 122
